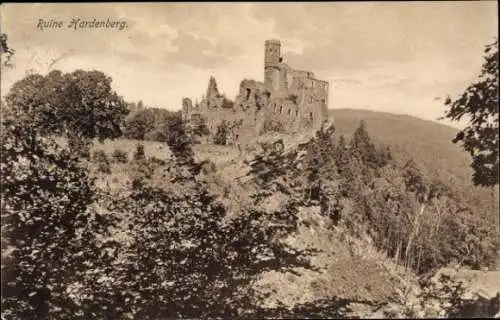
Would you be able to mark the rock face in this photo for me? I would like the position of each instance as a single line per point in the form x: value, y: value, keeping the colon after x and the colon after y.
x: 293, y: 98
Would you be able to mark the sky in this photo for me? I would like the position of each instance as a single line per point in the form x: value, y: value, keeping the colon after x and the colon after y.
x: 396, y: 57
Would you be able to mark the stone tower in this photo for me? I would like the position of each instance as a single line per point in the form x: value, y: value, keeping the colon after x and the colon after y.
x: 272, y: 59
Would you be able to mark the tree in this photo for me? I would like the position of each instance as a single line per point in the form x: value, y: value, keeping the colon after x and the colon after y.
x: 138, y: 124
x: 177, y: 139
x: 48, y: 235
x: 79, y: 106
x: 363, y: 147
x: 479, y: 102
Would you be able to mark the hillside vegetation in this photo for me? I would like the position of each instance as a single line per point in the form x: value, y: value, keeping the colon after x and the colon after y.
x: 426, y: 142
x: 328, y: 223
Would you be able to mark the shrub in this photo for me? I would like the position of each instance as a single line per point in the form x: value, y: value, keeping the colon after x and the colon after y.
x: 120, y: 156
x: 139, y: 152
x: 220, y: 137
x: 100, y: 158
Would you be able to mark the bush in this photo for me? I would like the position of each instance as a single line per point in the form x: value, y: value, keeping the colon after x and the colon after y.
x: 120, y: 156
x: 100, y: 158
x: 139, y: 152
x: 220, y: 137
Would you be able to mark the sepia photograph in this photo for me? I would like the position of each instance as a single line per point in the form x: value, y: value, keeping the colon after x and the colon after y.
x: 249, y: 160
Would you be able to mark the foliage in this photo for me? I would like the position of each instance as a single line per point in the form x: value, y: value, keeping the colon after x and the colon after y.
x: 479, y: 103
x: 200, y: 129
x: 445, y: 297
x: 79, y: 105
x: 138, y: 124
x: 220, y: 137
x: 403, y: 210
x: 184, y: 257
x: 185, y: 261
x: 139, y: 152
x: 100, y: 158
x: 178, y: 140
x: 48, y: 235
x: 146, y: 123
x: 321, y: 173
x: 120, y: 156
x: 362, y: 146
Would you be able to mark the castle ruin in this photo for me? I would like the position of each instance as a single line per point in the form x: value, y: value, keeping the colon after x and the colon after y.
x: 293, y: 98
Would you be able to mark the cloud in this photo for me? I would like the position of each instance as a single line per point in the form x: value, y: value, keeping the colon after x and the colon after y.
x: 195, y: 51
x: 388, y: 56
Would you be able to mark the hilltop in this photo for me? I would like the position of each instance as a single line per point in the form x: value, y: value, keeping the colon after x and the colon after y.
x: 427, y: 142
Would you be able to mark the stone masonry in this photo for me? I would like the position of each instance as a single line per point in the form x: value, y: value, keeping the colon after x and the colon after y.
x: 293, y: 98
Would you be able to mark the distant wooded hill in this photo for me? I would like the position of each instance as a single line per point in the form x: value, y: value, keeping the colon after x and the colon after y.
x: 428, y: 143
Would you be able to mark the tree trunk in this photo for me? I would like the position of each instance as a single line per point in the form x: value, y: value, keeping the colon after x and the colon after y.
x: 414, y: 232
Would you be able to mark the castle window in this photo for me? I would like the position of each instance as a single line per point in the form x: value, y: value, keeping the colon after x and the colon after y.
x: 289, y: 112
x: 281, y: 109
x: 311, y: 116
x: 296, y: 113
x: 248, y: 93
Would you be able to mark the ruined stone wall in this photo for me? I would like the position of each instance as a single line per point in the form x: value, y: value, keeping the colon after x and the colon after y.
x: 292, y: 97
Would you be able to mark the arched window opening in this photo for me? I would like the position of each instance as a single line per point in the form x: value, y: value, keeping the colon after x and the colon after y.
x: 281, y: 109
